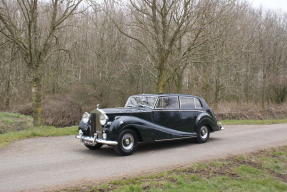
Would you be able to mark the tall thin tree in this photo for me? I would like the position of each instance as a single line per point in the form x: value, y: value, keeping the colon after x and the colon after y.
x: 22, y: 27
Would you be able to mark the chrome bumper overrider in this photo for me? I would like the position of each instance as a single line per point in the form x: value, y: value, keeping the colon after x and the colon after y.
x: 220, y: 126
x: 94, y: 140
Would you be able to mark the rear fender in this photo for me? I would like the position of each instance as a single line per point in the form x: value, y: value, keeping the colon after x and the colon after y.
x: 206, y: 119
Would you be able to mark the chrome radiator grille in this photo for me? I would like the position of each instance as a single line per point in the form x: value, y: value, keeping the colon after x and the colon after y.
x: 93, y: 124
x: 96, y: 126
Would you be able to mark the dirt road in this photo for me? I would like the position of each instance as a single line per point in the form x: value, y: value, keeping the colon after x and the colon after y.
x: 45, y: 163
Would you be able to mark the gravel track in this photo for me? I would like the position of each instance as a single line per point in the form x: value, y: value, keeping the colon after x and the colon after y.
x: 49, y: 163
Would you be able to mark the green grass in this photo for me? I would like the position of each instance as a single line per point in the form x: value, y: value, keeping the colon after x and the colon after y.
x: 44, y: 131
x: 14, y: 115
x: 263, y: 171
x: 253, y: 122
x: 14, y: 126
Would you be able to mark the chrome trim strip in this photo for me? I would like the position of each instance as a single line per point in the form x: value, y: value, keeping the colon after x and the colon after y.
x: 176, y: 138
x: 179, y: 110
x: 140, y: 111
x: 94, y: 140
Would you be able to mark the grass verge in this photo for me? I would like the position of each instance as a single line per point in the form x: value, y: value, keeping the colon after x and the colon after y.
x: 44, y: 131
x: 14, y: 126
x: 253, y: 122
x: 263, y: 171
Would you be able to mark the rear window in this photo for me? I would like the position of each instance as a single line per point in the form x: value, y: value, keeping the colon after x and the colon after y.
x: 187, y: 103
x: 190, y: 103
x: 168, y: 103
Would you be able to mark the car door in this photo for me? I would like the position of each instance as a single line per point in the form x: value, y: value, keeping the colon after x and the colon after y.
x: 190, y: 108
x: 166, y: 112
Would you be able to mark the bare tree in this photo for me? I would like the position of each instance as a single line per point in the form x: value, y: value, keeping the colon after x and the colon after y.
x: 22, y: 27
x: 161, y: 23
x: 161, y: 27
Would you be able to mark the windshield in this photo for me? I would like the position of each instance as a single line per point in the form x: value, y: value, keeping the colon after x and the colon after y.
x: 141, y: 101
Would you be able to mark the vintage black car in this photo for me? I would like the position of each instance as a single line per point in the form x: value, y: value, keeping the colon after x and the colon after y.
x: 148, y: 118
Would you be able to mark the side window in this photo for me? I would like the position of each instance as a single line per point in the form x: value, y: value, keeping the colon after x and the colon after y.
x: 187, y: 103
x: 167, y: 103
x: 198, y: 104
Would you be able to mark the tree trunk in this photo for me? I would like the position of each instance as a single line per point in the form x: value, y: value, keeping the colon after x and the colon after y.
x: 8, y: 94
x: 8, y: 91
x: 178, y: 81
x: 37, y: 98
x: 161, y: 85
x: 161, y: 80
x: 263, y: 91
x: 217, y: 90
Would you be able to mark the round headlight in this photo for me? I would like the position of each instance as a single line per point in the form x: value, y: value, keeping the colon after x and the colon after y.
x: 86, y: 117
x: 103, y: 119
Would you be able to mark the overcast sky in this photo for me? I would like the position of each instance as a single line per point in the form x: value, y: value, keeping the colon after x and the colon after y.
x: 271, y: 4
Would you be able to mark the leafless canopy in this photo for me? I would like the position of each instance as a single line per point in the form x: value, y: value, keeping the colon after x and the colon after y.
x: 103, y: 51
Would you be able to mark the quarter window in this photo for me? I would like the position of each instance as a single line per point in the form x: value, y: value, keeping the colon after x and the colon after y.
x: 168, y: 103
x: 197, y: 103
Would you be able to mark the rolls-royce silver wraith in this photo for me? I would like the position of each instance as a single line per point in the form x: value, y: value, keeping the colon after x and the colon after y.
x: 148, y: 118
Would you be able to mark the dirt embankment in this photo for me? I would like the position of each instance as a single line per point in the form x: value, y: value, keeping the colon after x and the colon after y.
x: 63, y: 111
x: 58, y: 111
x: 263, y: 114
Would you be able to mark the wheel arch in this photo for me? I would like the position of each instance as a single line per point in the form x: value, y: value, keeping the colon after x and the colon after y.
x: 207, y: 120
x: 140, y: 126
x: 133, y: 128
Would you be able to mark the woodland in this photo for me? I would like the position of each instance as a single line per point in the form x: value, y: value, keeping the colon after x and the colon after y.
x: 59, y: 58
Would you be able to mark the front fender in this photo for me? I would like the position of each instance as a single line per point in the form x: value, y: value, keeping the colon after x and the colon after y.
x: 206, y: 119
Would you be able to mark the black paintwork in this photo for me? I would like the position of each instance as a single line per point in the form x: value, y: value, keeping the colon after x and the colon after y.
x: 153, y: 124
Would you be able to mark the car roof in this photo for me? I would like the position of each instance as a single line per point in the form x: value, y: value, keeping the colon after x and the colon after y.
x: 164, y: 94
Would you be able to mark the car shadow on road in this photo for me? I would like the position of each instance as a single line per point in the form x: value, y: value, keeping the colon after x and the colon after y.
x: 167, y: 145
x: 104, y: 151
x: 144, y: 148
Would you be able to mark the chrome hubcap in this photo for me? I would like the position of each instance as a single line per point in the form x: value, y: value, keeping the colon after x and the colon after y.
x: 128, y: 141
x: 203, y: 132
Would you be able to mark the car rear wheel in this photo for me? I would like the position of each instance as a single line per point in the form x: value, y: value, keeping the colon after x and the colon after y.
x: 97, y: 146
x: 202, y: 134
x: 127, y: 142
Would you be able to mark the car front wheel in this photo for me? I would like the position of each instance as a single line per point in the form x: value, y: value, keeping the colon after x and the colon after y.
x: 127, y: 142
x: 202, y: 134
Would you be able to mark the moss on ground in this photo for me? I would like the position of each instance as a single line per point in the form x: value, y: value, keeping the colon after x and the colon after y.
x: 14, y: 122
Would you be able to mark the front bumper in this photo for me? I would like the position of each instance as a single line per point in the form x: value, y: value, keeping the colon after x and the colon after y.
x: 220, y: 126
x: 94, y: 140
